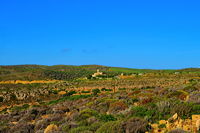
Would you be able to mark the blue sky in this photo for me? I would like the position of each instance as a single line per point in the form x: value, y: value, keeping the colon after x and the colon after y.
x: 157, y: 34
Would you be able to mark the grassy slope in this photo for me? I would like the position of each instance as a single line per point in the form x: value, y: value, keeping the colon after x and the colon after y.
x: 36, y: 72
x: 131, y: 70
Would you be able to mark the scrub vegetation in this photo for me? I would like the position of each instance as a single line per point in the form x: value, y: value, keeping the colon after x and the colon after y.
x: 70, y: 99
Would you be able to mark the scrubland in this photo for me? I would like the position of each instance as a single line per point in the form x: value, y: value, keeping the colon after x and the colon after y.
x: 66, y: 99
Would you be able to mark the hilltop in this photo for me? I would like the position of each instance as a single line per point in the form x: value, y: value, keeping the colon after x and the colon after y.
x: 69, y: 72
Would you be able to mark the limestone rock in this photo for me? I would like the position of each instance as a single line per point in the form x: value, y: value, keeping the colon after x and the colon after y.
x: 51, y: 128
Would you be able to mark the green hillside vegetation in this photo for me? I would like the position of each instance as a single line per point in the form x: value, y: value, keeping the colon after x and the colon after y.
x: 130, y: 70
x: 106, y: 103
x: 68, y: 72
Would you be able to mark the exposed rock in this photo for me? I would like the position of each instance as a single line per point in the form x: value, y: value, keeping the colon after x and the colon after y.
x: 51, y: 128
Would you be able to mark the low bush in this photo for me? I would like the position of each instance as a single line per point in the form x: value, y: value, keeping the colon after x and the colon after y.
x: 174, y: 94
x: 70, y: 93
x: 54, y: 91
x: 22, y: 128
x: 117, y: 106
x: 104, y: 89
x: 162, y: 126
x: 70, y: 98
x: 13, y: 97
x: 134, y: 100
x: 111, y: 127
x: 85, y: 91
x: 20, y: 108
x: 190, y: 89
x: 195, y: 109
x: 147, y: 112
x: 41, y: 124
x: 80, y: 129
x: 76, y: 97
x: 95, y: 126
x: 140, y: 111
x: 183, y: 109
x: 1, y: 99
x: 121, y: 89
x: 106, y: 118
x: 95, y: 91
x: 136, y: 125
x: 87, y: 113
x: 3, y: 126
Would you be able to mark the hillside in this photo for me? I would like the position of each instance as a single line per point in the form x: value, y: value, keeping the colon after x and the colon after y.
x: 80, y: 99
x: 67, y: 72
x: 36, y: 72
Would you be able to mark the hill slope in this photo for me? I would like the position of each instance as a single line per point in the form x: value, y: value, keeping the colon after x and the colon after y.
x: 69, y: 72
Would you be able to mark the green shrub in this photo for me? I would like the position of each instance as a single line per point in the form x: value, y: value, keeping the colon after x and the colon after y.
x: 70, y: 93
x: 13, y: 97
x: 87, y: 113
x: 175, y: 94
x: 106, y: 118
x: 54, y: 91
x: 139, y: 111
x: 169, y: 107
x: 111, y: 127
x: 65, y: 128
x: 135, y: 100
x: 85, y: 91
x: 53, y: 102
x: 196, y: 109
x: 148, y: 87
x: 121, y: 89
x: 79, y: 129
x: 104, y: 89
x: 95, y: 91
x: 3, y: 111
x: 70, y: 98
x: 83, y: 121
x: 183, y: 109
x: 4, y: 126
x: 20, y: 108
x: 1, y: 99
x: 76, y: 97
x: 190, y: 89
x: 85, y: 128
x: 150, y: 114
x: 162, y: 126
x: 95, y: 126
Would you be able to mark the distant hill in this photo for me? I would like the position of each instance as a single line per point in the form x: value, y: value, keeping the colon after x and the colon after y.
x: 69, y: 72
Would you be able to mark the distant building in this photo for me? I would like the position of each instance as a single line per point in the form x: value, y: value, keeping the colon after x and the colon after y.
x: 97, y: 73
x: 140, y: 74
x: 177, y: 72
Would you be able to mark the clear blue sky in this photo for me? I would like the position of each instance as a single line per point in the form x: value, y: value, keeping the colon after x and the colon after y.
x: 158, y: 34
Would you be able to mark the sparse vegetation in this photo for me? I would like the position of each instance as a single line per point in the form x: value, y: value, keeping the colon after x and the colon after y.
x: 54, y: 98
x: 95, y: 91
